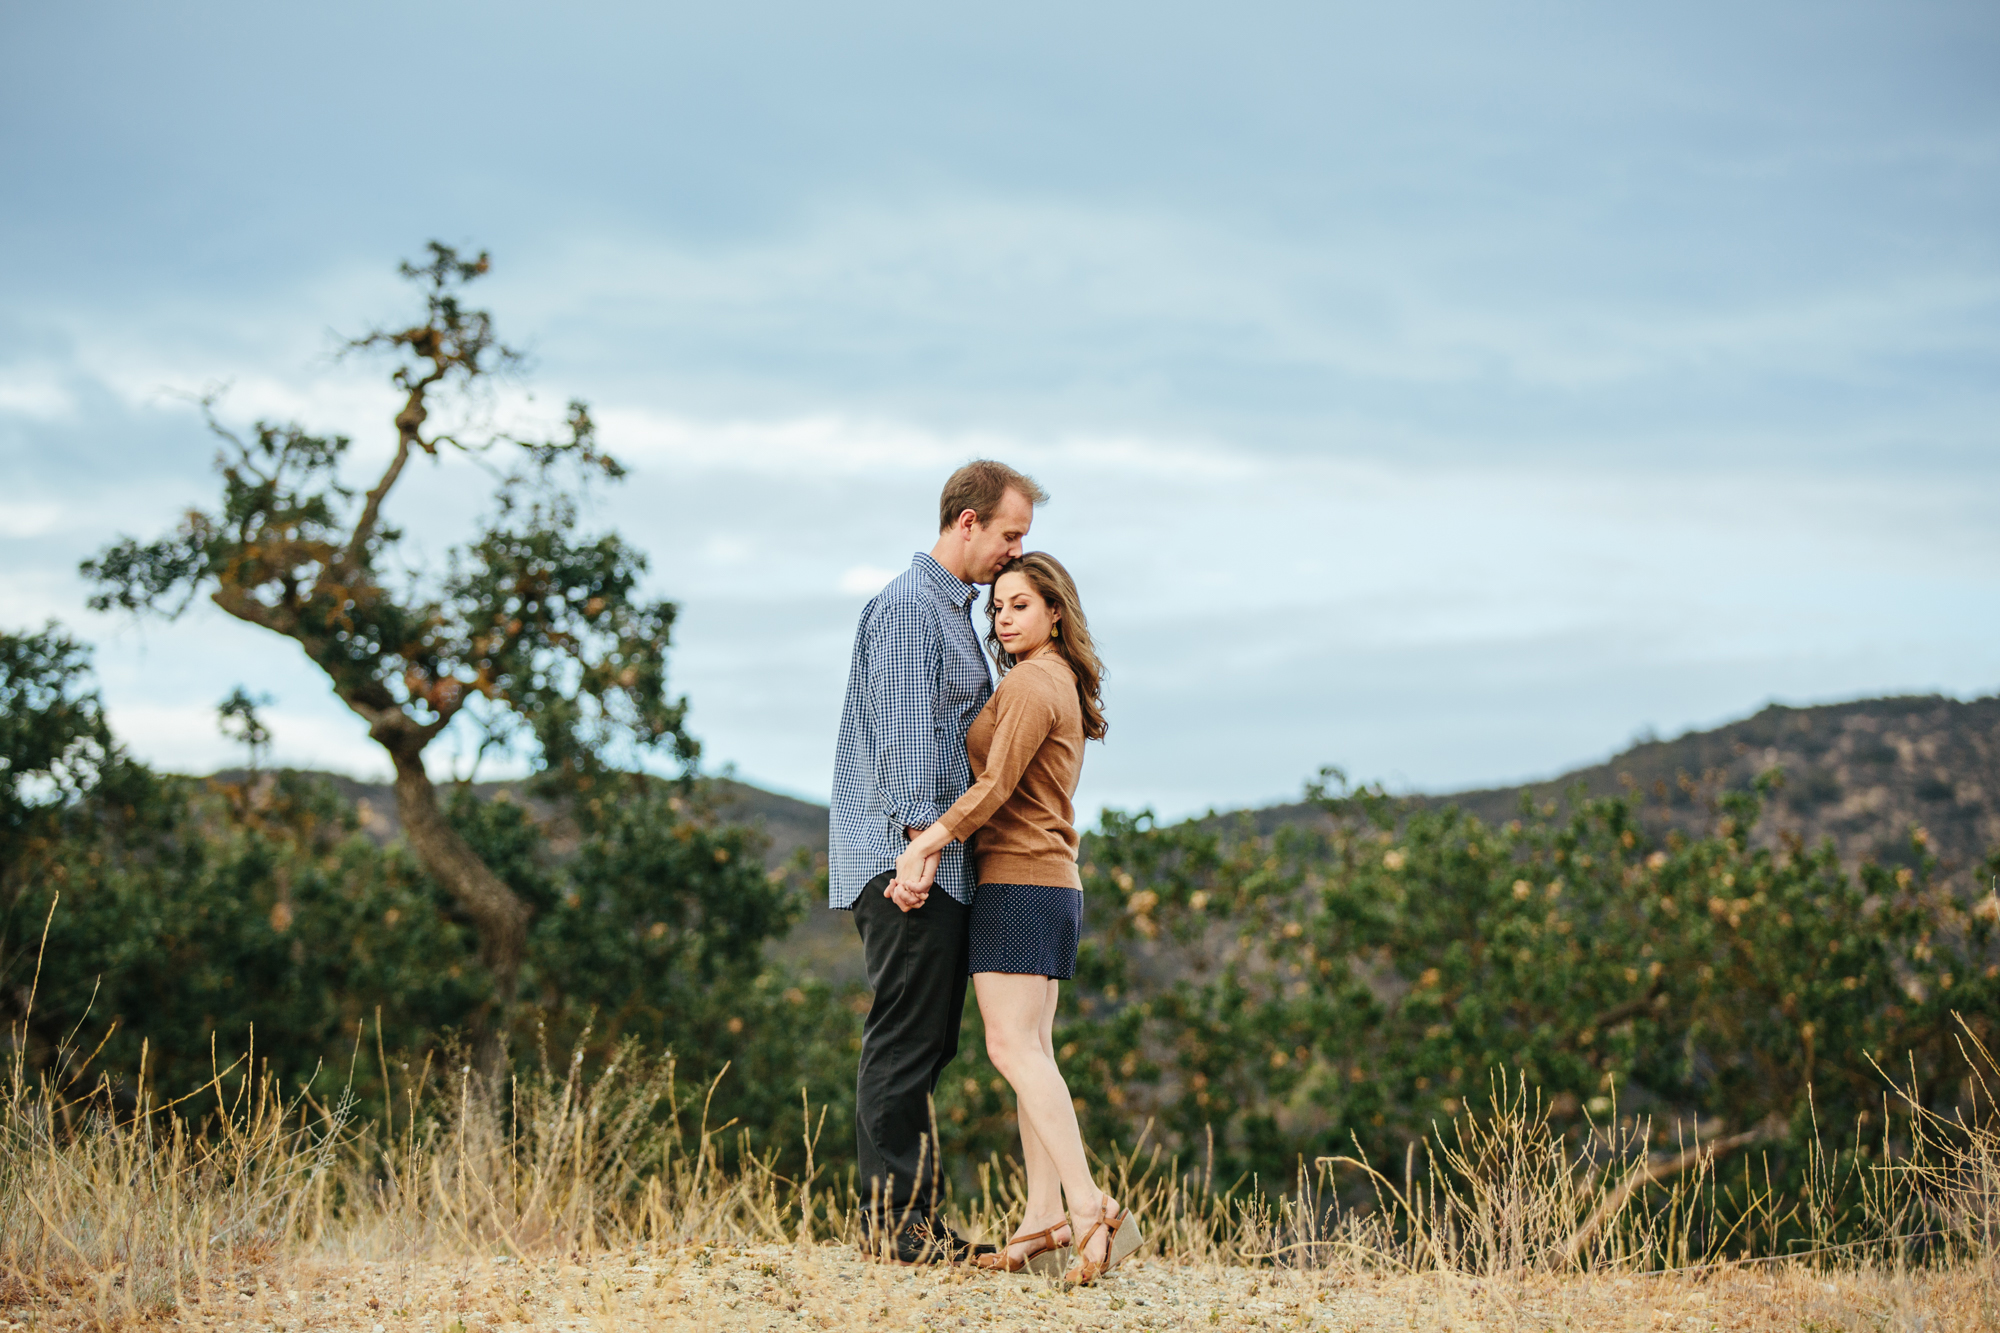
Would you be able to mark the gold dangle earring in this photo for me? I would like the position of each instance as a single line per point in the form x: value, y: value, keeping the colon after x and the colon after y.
x: 1055, y: 631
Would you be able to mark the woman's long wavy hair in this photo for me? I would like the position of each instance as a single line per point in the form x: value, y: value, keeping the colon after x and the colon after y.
x: 1046, y: 576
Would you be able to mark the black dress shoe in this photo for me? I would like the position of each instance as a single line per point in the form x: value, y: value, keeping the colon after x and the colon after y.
x: 962, y: 1248
x: 923, y: 1241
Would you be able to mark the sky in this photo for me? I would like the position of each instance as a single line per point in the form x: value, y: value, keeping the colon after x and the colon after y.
x: 1448, y: 392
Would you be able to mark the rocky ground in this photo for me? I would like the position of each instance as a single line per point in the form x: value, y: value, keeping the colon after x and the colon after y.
x: 825, y: 1287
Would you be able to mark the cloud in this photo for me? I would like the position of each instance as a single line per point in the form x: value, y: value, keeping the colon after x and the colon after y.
x: 34, y: 392
x: 1432, y: 390
x: 20, y: 520
x: 1054, y: 316
x: 1262, y: 613
x: 184, y: 738
x: 865, y: 580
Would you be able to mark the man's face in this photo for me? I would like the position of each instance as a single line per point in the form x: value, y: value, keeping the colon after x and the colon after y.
x: 996, y: 542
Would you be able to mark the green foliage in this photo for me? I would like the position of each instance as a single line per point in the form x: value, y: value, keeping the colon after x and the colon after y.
x: 539, y: 621
x: 282, y: 507
x: 237, y: 718
x: 656, y: 931
x: 543, y: 623
x: 225, y: 910
x: 550, y: 623
x: 535, y: 628
x: 1355, y: 982
x: 54, y: 741
x: 1260, y: 998
x: 195, y: 913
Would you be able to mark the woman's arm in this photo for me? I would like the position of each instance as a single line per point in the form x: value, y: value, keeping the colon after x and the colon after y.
x: 1025, y: 718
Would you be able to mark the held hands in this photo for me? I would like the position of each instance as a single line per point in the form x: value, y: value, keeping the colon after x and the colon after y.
x: 916, y: 870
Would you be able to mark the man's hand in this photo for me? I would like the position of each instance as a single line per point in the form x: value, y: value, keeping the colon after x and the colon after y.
x: 916, y: 869
x: 915, y: 873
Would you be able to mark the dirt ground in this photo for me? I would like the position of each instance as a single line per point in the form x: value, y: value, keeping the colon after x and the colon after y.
x: 827, y: 1287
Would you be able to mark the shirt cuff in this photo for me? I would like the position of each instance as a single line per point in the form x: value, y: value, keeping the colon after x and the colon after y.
x: 919, y: 819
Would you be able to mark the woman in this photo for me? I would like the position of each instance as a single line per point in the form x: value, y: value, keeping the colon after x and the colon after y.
x: 1026, y: 749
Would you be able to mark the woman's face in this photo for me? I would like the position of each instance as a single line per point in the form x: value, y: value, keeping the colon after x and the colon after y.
x: 1023, y: 620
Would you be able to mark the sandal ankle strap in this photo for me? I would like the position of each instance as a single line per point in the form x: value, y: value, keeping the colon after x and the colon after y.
x: 1046, y: 1233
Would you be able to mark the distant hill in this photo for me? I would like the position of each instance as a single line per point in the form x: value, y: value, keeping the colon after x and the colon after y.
x: 823, y: 941
x: 788, y: 824
x: 1863, y: 774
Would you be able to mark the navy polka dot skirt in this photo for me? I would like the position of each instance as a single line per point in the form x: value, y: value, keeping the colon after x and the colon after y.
x: 1030, y: 929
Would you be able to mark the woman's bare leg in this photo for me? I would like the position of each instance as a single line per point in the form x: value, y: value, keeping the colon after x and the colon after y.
x: 1018, y: 1011
x: 1044, y: 1184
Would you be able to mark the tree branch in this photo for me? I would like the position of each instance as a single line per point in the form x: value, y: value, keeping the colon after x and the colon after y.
x: 409, y: 425
x: 1630, y: 1009
x: 371, y: 509
x: 235, y: 599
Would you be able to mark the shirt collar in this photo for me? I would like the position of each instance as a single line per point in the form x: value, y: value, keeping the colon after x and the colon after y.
x: 958, y: 590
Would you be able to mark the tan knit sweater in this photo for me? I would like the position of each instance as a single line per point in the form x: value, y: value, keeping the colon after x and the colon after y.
x: 1026, y: 748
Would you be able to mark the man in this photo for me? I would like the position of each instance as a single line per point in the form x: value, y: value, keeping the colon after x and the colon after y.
x: 916, y: 682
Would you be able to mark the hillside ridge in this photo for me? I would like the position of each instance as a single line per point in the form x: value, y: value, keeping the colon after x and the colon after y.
x: 1864, y: 773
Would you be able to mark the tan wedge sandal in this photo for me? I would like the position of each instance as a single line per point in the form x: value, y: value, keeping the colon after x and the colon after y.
x: 1046, y: 1255
x: 1122, y: 1238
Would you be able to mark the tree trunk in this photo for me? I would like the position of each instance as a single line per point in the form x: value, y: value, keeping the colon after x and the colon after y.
x: 497, y: 912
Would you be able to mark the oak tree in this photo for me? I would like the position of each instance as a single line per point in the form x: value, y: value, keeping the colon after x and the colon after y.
x: 533, y: 631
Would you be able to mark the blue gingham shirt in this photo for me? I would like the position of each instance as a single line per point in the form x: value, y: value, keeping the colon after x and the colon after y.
x: 916, y: 682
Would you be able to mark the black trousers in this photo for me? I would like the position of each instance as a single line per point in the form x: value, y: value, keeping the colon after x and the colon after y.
x: 917, y: 967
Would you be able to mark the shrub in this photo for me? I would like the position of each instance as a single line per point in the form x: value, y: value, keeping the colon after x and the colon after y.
x: 1354, y: 982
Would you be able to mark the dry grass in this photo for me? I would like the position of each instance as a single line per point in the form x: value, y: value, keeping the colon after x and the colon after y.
x: 602, y: 1201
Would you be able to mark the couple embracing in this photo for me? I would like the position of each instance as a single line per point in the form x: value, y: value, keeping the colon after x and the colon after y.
x: 953, y: 842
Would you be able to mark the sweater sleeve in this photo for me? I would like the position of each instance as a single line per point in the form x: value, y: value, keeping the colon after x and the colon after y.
x: 1025, y: 717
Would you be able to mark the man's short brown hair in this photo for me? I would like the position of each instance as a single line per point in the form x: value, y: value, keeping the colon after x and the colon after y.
x: 980, y: 486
